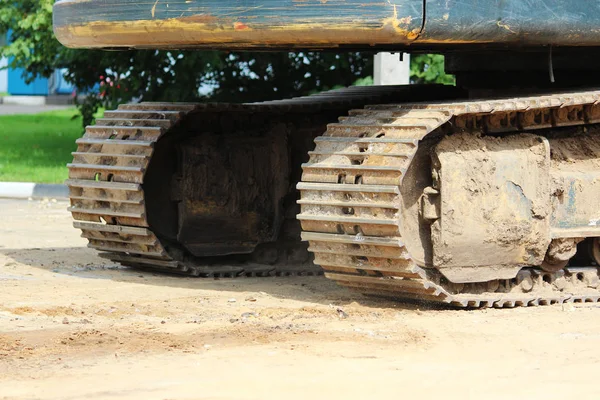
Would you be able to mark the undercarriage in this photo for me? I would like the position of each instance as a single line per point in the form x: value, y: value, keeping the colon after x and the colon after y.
x: 481, y: 194
x: 414, y: 192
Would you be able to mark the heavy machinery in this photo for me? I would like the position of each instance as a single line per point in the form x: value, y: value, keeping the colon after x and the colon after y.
x: 483, y: 194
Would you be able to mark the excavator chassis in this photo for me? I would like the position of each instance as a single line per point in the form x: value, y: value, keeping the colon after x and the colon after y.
x: 153, y: 187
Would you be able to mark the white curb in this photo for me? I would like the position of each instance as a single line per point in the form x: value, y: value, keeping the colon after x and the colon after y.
x: 24, y: 100
x: 26, y: 190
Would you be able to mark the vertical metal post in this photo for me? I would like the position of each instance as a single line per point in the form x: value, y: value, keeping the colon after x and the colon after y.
x: 391, y: 69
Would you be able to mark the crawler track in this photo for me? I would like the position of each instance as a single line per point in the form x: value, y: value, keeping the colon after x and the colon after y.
x: 351, y: 199
x: 109, y: 170
x: 106, y: 184
x: 350, y: 192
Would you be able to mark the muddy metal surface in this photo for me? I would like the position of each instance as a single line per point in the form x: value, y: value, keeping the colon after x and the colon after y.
x: 73, y: 326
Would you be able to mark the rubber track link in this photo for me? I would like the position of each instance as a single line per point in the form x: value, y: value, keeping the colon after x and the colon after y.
x: 350, y: 200
x: 107, y: 175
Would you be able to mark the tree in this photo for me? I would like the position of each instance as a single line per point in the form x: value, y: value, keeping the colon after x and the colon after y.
x: 110, y: 78
x: 429, y: 68
x: 33, y: 46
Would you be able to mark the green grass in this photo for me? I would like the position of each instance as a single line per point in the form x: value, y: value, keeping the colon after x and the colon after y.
x: 36, y: 148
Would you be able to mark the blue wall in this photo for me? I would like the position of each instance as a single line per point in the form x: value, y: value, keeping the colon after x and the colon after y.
x: 18, y: 87
x: 58, y: 84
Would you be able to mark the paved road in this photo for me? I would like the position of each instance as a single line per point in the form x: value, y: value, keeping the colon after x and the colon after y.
x: 8, y: 109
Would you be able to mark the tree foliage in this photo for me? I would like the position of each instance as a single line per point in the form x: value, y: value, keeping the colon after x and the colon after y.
x: 33, y: 47
x: 109, y: 78
x: 429, y: 68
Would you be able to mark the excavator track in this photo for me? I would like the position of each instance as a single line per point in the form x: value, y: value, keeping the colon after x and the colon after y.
x: 109, y: 171
x: 351, y: 197
x: 106, y: 182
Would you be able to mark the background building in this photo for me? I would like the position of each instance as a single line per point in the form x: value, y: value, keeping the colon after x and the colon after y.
x: 52, y: 90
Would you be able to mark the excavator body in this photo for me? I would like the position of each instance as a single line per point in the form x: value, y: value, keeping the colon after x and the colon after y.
x: 441, y: 25
x: 480, y: 194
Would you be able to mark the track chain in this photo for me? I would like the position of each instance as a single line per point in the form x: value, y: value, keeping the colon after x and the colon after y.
x: 350, y: 199
x: 107, y: 175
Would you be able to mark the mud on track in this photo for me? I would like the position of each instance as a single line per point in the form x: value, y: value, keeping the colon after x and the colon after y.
x: 74, y: 326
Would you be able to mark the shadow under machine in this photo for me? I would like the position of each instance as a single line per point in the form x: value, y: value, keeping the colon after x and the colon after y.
x: 482, y: 194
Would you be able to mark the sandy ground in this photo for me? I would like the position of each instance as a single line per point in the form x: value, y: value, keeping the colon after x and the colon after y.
x: 74, y: 327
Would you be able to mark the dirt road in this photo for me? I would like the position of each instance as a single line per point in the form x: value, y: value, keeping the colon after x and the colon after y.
x: 74, y: 327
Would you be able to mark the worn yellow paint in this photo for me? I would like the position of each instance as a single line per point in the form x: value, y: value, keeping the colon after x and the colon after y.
x: 398, y: 23
x: 505, y: 26
x: 190, y: 33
